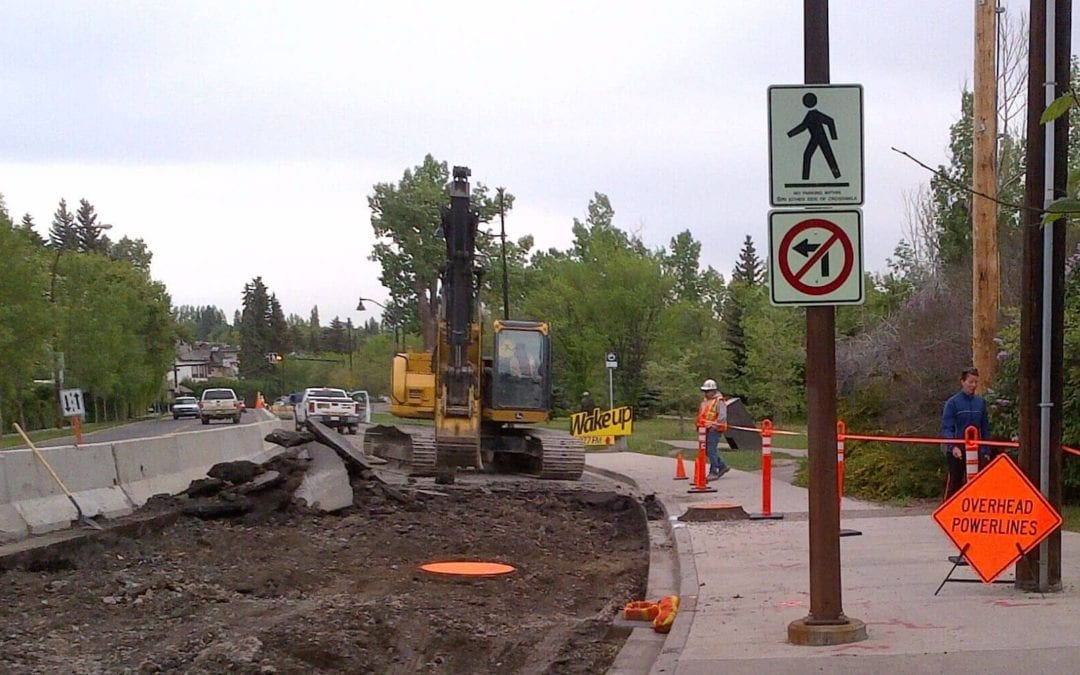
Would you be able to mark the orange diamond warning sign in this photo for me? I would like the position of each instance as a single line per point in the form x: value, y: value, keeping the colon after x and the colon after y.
x: 997, y: 517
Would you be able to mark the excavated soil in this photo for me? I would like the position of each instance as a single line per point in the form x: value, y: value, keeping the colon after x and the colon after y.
x: 297, y: 592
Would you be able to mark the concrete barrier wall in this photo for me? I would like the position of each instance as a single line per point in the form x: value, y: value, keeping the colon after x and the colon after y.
x: 113, y: 479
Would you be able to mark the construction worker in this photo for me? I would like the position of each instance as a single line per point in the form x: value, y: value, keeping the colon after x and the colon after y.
x: 587, y: 402
x: 712, y: 416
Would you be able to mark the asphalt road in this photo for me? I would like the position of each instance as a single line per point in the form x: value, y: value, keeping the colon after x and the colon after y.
x: 146, y: 429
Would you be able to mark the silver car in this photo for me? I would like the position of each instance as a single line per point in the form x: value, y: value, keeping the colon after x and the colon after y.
x: 185, y: 406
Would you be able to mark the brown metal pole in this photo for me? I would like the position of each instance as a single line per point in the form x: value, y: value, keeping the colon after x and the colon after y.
x: 825, y: 599
x: 1031, y: 303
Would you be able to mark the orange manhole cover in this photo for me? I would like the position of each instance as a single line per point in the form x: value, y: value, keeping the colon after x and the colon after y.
x: 468, y: 569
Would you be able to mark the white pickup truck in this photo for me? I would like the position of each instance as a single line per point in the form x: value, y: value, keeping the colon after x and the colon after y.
x: 332, y: 407
x: 217, y: 404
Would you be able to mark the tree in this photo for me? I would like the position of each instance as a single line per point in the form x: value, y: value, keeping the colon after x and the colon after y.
x: 681, y: 263
x: 27, y: 228
x: 314, y: 339
x: 952, y: 200
x: 279, y: 328
x: 62, y: 234
x: 91, y: 240
x: 24, y: 316
x: 116, y: 331
x: 746, y: 278
x: 406, y: 218
x: 134, y: 251
x: 336, y: 338
x: 608, y: 293
x: 256, y: 338
x: 749, y: 268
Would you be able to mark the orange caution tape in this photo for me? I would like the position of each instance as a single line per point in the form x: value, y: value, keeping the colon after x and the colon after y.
x: 640, y: 610
x: 669, y: 607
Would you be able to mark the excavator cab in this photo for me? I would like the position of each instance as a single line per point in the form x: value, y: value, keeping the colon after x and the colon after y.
x: 520, y: 385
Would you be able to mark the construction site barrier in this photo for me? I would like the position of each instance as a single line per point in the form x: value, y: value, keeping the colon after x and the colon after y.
x: 700, y: 482
x: 841, y: 437
x: 112, y: 479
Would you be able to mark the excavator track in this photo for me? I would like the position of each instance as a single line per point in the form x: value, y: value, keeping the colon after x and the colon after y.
x: 562, y: 457
x: 410, y: 449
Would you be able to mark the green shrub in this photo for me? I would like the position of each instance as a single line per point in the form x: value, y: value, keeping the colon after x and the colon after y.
x: 889, y: 472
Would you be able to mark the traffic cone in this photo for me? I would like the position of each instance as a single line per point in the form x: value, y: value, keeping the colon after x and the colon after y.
x: 701, y: 483
x: 680, y: 468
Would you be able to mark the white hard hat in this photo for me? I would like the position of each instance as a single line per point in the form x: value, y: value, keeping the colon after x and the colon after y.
x: 708, y: 385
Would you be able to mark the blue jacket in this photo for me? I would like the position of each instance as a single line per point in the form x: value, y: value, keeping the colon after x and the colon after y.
x: 962, y: 411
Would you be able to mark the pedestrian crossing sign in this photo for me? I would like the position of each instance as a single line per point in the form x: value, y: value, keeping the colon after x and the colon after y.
x: 816, y: 145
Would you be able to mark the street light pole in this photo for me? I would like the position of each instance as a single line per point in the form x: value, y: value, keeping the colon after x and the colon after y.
x: 348, y: 323
x: 360, y: 308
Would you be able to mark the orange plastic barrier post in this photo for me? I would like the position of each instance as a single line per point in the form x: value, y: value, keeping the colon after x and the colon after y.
x: 680, y: 468
x: 701, y: 483
x: 971, y: 451
x: 841, y: 434
x: 766, y: 474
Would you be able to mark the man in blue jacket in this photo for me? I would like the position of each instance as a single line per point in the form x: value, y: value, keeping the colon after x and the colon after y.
x: 963, y: 409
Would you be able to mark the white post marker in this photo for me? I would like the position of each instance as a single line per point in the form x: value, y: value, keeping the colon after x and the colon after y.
x: 815, y: 257
x: 815, y: 145
x: 612, y: 362
x: 71, y: 402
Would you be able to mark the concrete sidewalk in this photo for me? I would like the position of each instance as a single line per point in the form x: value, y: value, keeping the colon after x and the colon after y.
x: 742, y: 582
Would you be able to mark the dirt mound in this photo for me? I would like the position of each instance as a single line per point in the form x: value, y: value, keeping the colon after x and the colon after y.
x: 303, y: 592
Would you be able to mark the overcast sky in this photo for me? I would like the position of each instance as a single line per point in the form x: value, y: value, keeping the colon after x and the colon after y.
x: 243, y: 138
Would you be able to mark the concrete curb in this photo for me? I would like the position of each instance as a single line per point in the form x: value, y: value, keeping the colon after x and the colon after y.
x: 663, y: 651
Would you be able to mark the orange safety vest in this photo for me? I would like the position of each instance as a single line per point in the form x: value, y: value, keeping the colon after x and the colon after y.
x: 708, y: 412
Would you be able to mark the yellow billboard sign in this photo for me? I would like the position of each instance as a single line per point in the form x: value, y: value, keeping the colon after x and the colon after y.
x: 597, y: 422
x: 597, y: 440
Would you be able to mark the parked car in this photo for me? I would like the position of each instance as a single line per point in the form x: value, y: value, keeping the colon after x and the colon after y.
x: 332, y: 407
x: 185, y: 406
x: 219, y: 404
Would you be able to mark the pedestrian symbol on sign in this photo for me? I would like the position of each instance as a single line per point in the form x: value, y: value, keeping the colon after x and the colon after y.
x: 815, y: 123
x: 815, y: 145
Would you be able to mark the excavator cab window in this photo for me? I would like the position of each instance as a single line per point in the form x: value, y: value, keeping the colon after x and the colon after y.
x: 521, y: 370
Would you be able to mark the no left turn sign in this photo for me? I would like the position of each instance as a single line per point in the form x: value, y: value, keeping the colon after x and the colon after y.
x: 816, y: 257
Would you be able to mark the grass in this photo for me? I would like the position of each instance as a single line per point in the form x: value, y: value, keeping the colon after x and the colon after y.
x: 15, y: 440
x: 1071, y: 514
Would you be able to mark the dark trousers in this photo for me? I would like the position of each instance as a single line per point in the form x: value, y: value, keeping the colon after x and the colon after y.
x: 957, y: 474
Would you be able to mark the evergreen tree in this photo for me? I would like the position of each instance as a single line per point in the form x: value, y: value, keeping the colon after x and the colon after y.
x: 279, y: 328
x: 749, y: 268
x: 27, y: 228
x: 62, y: 234
x: 298, y: 332
x: 88, y: 231
x: 336, y: 339
x: 315, y: 342
x: 747, y: 275
x: 255, y: 334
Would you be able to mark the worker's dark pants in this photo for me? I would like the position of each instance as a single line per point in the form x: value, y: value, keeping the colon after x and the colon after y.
x: 957, y: 473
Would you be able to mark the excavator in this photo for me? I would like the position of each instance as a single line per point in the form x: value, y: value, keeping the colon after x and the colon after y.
x: 485, y: 409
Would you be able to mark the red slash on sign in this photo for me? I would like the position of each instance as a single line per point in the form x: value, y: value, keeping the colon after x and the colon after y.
x: 834, y: 235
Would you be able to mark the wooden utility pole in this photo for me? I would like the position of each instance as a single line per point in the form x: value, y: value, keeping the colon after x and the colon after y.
x: 986, y: 278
